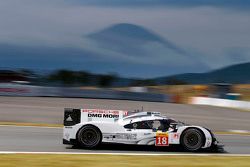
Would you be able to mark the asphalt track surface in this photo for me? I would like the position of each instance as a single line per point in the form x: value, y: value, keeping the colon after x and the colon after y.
x: 50, y: 110
x: 40, y: 139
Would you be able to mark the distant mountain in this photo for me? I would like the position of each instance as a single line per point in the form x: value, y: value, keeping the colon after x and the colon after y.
x: 131, y: 35
x: 146, y: 52
x: 239, y: 73
x: 125, y: 30
x: 125, y: 49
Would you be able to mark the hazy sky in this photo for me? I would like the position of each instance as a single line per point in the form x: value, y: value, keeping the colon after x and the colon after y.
x: 217, y: 30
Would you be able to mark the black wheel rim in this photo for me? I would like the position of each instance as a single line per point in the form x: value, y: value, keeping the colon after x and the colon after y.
x: 89, y: 137
x: 192, y: 140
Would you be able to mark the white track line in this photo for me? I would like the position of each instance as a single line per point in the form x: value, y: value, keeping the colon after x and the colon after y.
x: 127, y: 154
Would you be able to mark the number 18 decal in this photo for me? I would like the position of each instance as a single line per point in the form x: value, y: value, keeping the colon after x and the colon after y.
x: 161, y: 139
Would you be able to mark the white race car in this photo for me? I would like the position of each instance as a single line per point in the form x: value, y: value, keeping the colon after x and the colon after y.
x: 90, y: 127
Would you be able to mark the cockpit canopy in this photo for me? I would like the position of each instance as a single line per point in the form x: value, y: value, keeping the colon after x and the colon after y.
x: 147, y: 120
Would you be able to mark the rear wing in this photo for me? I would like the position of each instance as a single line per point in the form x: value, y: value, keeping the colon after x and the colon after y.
x: 76, y: 116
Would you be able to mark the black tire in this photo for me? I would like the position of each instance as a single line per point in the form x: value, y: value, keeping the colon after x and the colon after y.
x: 192, y: 139
x: 89, y: 136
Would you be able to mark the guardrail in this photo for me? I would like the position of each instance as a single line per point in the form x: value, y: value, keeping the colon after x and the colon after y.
x: 39, y: 91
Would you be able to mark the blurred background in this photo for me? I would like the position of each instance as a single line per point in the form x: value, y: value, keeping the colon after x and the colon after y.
x: 188, y: 59
x: 161, y: 50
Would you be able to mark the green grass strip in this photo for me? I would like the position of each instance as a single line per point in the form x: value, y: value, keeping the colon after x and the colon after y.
x: 24, y: 160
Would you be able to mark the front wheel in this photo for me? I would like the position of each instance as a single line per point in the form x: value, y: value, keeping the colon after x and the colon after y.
x: 192, y: 139
x: 89, y: 136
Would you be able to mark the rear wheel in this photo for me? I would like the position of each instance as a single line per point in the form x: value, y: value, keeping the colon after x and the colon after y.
x: 192, y: 139
x: 89, y: 136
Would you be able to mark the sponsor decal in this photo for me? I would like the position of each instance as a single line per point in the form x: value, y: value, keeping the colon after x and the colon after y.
x: 120, y: 136
x: 161, y: 139
x: 176, y: 135
x: 68, y: 127
x: 147, y: 134
x: 100, y: 113
x: 125, y: 113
